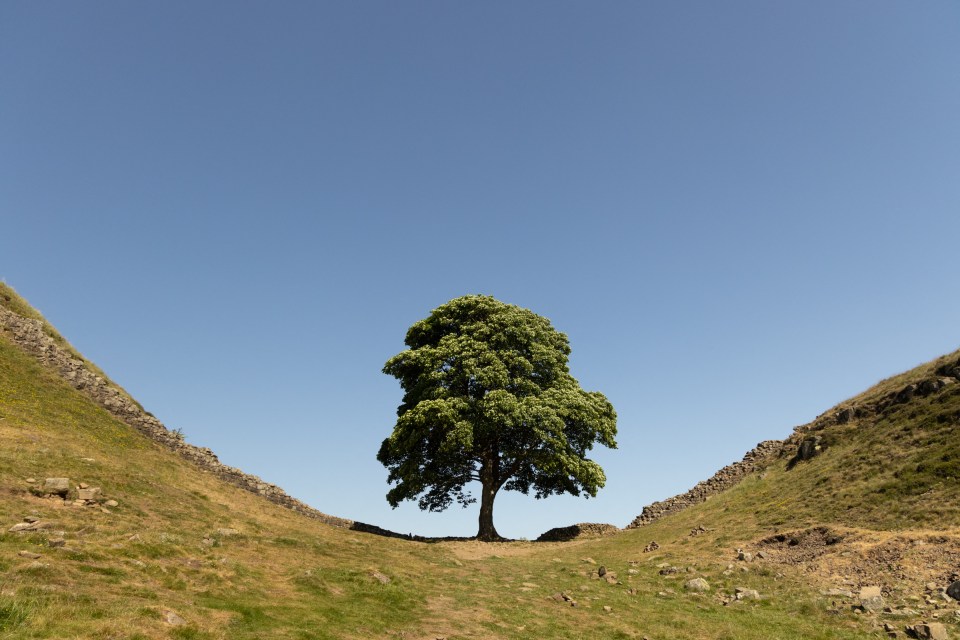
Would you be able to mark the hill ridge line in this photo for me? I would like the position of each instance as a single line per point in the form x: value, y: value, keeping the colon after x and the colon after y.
x: 28, y: 335
x: 803, y: 442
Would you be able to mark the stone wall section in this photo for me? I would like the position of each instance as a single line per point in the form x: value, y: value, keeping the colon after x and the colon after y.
x: 755, y: 460
x: 943, y: 378
x: 28, y: 335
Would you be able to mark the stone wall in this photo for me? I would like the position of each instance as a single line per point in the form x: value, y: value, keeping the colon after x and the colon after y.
x: 28, y: 334
x: 756, y: 459
x: 942, y: 378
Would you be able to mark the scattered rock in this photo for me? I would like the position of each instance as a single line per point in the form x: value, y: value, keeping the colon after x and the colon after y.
x: 56, y: 542
x: 954, y: 590
x: 697, y: 584
x: 56, y: 486
x: 89, y: 494
x: 669, y: 571
x: 871, y: 598
x: 652, y: 546
x: 744, y: 556
x: 928, y: 631
x: 746, y: 594
x: 810, y: 447
x: 31, y: 519
x: 111, y: 503
x: 698, y: 530
x: 845, y: 415
x: 174, y: 619
x: 29, y: 554
x: 23, y: 526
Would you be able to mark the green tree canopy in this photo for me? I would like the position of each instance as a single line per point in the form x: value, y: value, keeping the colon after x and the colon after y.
x: 488, y: 397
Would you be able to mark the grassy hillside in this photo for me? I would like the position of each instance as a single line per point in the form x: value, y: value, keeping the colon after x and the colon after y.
x: 185, y: 555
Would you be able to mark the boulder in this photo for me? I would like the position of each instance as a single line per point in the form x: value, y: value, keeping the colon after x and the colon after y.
x: 871, y: 598
x: 697, y: 584
x: 56, y: 486
x: 809, y: 448
x: 173, y: 619
x: 954, y: 590
x: 928, y: 631
x: 91, y: 494
x: 845, y: 415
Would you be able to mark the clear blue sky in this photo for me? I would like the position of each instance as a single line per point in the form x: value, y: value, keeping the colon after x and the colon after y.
x: 741, y: 213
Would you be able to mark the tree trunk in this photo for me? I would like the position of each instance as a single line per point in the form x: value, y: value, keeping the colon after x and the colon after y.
x: 487, y: 532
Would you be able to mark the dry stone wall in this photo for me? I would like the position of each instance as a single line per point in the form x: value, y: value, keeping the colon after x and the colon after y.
x: 28, y: 334
x: 803, y: 444
x: 755, y: 460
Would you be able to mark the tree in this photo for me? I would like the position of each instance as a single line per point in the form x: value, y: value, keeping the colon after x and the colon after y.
x: 488, y: 397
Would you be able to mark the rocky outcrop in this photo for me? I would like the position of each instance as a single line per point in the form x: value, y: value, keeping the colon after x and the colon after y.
x: 29, y: 335
x: 755, y: 460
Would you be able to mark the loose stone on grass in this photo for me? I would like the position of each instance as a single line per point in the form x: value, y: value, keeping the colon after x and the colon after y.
x: 928, y: 631
x: 56, y: 486
x: 697, y: 584
x: 871, y: 598
x: 173, y: 619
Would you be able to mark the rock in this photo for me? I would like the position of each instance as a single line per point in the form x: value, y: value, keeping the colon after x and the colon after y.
x: 697, y: 584
x: 746, y: 594
x: 669, y: 571
x: 928, y: 631
x: 30, y: 480
x: 588, y: 560
x: 172, y: 618
x: 379, y: 577
x: 23, y: 526
x: 111, y: 503
x: 809, y: 448
x: 83, y: 485
x: 607, y: 608
x: 954, y: 590
x: 871, y: 598
x: 31, y: 519
x: 29, y: 554
x: 652, y: 546
x: 602, y: 571
x: 90, y: 494
x: 56, y: 486
x: 906, y: 394
x: 744, y: 556
x: 56, y: 542
x: 845, y: 415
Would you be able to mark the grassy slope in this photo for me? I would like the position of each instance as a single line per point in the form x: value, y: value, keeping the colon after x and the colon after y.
x: 286, y: 576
